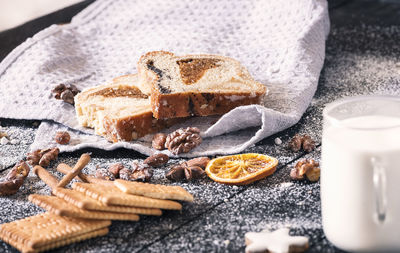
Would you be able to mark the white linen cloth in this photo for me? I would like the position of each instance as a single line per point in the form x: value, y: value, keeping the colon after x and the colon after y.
x: 281, y: 43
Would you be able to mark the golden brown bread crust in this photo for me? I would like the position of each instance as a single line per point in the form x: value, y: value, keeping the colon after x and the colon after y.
x: 133, y: 127
x: 198, y: 104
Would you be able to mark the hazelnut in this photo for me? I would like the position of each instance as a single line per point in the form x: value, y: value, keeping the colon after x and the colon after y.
x: 156, y: 160
x: 62, y: 138
x: 159, y: 141
x: 194, y: 172
x: 176, y: 173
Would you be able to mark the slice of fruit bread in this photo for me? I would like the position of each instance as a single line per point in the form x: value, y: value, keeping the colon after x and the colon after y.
x: 119, y: 111
x: 199, y: 85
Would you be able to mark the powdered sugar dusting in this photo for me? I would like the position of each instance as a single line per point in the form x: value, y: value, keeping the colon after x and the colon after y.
x: 360, y: 60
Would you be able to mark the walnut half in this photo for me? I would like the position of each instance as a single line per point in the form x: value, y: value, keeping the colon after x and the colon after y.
x: 308, y: 168
x: 183, y: 140
x: 14, y: 179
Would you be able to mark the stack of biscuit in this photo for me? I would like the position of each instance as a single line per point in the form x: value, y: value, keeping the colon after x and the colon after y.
x: 166, y: 88
x: 86, y: 210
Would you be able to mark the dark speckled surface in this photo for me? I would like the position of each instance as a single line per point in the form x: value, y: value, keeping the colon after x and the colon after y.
x: 362, y: 58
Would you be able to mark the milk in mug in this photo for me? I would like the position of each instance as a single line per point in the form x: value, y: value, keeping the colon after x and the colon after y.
x: 356, y: 213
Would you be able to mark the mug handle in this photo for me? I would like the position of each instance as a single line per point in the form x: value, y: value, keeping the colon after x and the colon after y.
x: 379, y: 181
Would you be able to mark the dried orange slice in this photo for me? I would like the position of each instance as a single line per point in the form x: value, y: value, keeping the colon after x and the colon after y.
x: 241, y: 169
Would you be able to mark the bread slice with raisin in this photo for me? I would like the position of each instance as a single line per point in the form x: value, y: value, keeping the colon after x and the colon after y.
x: 119, y: 111
x: 199, y: 85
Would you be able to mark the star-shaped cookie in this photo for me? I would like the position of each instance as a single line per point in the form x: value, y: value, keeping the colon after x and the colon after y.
x: 278, y: 241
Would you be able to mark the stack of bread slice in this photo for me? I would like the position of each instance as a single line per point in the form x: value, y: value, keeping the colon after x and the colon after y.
x: 167, y: 87
x: 119, y: 111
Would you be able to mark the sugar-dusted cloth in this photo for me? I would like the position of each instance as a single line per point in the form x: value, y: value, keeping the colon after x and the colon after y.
x: 282, y: 43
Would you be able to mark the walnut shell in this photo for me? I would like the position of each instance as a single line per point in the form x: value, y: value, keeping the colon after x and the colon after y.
x: 183, y: 140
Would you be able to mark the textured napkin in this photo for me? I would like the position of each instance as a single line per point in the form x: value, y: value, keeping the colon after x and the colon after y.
x: 282, y: 43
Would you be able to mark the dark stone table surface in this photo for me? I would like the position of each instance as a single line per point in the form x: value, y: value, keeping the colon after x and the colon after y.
x: 362, y: 57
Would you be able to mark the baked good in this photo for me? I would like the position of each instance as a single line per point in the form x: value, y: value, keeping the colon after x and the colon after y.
x: 47, y: 231
x: 119, y: 111
x: 199, y: 85
x: 275, y: 242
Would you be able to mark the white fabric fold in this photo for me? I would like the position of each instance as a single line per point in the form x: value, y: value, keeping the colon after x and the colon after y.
x: 281, y: 43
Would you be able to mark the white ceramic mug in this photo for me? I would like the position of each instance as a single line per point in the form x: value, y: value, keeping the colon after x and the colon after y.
x: 360, y: 173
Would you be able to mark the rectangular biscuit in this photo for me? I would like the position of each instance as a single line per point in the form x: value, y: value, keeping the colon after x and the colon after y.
x: 57, y: 244
x: 46, y: 228
x: 157, y: 191
x: 61, y: 207
x: 80, y: 200
x: 111, y: 195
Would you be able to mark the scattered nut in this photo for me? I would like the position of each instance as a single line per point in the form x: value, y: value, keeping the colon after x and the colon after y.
x: 156, y: 160
x: 105, y: 174
x: 139, y: 172
x: 33, y: 158
x: 159, y: 141
x: 307, y: 167
x: 21, y: 169
x: 65, y: 92
x: 302, y: 141
x: 193, y: 172
x: 199, y: 161
x: 58, y: 89
x: 313, y: 174
x: 295, y: 143
x: 48, y: 156
x: 62, y: 138
x: 42, y: 157
x: 115, y: 169
x: 14, y: 179
x: 67, y: 96
x: 308, y: 143
x: 176, y: 173
x: 183, y: 140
